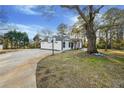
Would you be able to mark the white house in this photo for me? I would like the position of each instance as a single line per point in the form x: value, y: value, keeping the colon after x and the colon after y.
x: 1, y: 46
x: 1, y: 42
x: 60, y: 43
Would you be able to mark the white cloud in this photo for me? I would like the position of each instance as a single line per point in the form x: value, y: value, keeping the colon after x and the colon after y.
x: 71, y: 19
x: 36, y: 10
x: 31, y: 30
x: 99, y: 19
x: 74, y: 19
x: 28, y: 9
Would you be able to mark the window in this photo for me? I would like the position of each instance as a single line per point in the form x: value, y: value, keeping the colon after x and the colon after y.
x: 69, y: 44
x: 54, y: 39
x: 49, y: 40
x: 63, y: 44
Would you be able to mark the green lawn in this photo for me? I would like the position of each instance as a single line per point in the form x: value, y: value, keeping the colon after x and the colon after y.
x: 77, y: 69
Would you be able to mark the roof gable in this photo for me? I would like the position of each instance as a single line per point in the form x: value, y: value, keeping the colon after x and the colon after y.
x: 57, y: 38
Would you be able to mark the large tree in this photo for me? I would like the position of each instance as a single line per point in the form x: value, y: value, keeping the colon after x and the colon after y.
x: 16, y: 39
x: 113, y: 25
x: 88, y: 14
x: 62, y: 30
x: 37, y: 40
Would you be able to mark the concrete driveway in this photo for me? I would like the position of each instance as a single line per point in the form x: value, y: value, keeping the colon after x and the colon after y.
x: 17, y: 69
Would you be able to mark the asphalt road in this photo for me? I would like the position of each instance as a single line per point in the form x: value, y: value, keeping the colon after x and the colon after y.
x: 17, y: 69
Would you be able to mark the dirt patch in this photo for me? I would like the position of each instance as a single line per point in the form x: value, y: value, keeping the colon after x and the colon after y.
x: 7, y: 51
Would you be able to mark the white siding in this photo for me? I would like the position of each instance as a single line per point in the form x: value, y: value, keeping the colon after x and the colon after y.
x: 81, y: 44
x: 57, y: 45
x: 1, y: 47
x: 67, y: 46
x: 48, y: 45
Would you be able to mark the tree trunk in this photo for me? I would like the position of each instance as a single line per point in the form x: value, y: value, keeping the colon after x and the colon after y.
x: 24, y: 45
x: 106, y: 45
x: 92, y: 45
x: 11, y: 44
x: 91, y: 36
x: 110, y: 44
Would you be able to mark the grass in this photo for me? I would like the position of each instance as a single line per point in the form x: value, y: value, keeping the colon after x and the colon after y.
x: 77, y: 69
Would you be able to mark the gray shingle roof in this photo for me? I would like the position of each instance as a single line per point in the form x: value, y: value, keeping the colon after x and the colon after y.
x: 58, y: 38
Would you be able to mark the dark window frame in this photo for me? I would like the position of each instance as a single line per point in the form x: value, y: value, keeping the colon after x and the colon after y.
x: 69, y: 44
x: 63, y: 44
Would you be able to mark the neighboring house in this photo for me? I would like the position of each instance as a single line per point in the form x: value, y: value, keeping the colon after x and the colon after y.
x: 1, y: 42
x: 61, y: 43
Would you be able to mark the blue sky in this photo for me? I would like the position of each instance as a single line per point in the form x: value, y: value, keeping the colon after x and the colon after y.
x: 30, y: 19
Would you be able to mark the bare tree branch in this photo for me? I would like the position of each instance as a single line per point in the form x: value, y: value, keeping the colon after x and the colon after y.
x: 91, y: 12
x: 98, y: 9
x: 81, y: 13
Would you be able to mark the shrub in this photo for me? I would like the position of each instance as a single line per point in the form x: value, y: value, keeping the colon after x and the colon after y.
x: 118, y: 44
x: 101, y: 43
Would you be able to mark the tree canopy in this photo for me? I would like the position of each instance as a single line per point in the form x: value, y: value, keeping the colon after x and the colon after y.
x: 15, y: 39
